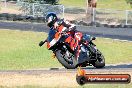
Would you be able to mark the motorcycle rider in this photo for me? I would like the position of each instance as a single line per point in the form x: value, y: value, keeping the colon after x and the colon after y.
x: 74, y: 38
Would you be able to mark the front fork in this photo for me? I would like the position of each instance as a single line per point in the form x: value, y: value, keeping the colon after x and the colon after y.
x: 93, y: 51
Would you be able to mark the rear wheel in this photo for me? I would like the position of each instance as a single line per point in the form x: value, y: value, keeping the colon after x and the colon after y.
x: 100, y: 62
x: 68, y: 61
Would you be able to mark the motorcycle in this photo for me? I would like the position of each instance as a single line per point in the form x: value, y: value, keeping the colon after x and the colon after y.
x: 66, y: 56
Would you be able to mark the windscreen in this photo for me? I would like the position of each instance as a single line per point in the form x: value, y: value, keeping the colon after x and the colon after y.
x: 51, y: 35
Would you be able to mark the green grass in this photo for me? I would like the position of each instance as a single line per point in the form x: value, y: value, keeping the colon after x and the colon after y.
x: 20, y: 50
x: 76, y: 3
x: 115, y: 51
x: 113, y: 4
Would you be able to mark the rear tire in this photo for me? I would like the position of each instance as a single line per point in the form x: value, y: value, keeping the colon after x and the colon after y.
x: 64, y: 62
x: 100, y: 63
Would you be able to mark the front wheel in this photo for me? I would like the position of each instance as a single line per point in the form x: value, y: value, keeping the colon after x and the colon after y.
x: 68, y: 61
x: 100, y: 62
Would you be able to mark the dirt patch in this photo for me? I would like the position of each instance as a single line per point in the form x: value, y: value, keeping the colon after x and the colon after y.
x: 47, y: 79
x: 10, y: 11
x: 11, y: 8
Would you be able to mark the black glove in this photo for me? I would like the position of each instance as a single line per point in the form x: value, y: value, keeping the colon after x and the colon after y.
x: 41, y: 43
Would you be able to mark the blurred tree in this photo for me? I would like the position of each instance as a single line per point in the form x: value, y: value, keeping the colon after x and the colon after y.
x: 53, y: 2
x: 129, y: 2
x: 92, y: 3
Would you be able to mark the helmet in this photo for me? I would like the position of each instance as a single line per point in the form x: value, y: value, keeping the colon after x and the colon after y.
x: 50, y: 19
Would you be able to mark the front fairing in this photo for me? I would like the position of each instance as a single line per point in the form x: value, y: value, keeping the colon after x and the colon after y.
x: 53, y: 38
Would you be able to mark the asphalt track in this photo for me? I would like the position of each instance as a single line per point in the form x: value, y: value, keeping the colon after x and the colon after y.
x: 106, y: 69
x: 114, y: 33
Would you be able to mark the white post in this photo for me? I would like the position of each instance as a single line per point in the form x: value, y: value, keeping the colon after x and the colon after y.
x: 93, y: 15
x: 126, y: 12
x: 86, y: 6
x: 63, y: 11
x: 5, y: 4
x: 33, y: 9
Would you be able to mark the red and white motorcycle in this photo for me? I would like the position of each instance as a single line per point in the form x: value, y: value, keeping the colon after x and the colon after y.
x: 65, y: 55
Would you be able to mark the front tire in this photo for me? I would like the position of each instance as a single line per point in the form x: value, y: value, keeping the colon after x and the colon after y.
x: 64, y: 62
x: 100, y: 62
